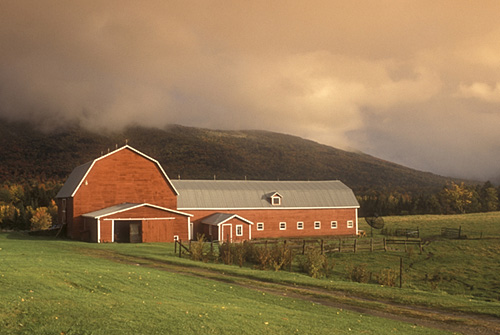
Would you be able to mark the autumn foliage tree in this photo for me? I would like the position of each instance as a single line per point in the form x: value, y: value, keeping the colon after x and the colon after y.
x: 457, y: 197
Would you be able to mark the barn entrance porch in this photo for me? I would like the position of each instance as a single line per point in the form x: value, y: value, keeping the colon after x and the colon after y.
x: 127, y: 231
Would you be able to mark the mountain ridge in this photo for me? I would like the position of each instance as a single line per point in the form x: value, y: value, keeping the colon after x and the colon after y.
x: 199, y: 153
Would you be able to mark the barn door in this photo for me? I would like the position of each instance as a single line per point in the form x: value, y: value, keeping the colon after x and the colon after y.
x: 227, y: 233
x: 135, y: 232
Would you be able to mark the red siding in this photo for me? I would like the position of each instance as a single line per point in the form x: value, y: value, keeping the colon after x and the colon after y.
x: 124, y: 176
x: 272, y: 218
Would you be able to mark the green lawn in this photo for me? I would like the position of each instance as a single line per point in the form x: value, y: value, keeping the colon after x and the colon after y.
x: 50, y: 286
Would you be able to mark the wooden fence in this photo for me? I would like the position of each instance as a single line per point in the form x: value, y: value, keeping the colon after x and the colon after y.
x: 326, y: 246
x: 346, y: 245
x: 452, y: 232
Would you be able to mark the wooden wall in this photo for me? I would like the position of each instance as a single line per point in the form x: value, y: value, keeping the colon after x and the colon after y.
x: 123, y: 176
x: 272, y: 218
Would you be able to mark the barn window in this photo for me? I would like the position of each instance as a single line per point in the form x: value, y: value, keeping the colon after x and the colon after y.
x: 260, y: 225
x: 350, y: 224
x: 300, y: 225
x: 239, y: 230
x: 275, y: 200
x: 282, y: 225
x: 333, y: 224
x: 317, y: 224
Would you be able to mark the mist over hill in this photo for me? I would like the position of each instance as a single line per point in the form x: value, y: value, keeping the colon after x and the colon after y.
x: 195, y: 153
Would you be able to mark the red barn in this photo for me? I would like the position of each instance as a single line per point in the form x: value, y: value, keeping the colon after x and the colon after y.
x: 125, y: 196
x: 96, y: 201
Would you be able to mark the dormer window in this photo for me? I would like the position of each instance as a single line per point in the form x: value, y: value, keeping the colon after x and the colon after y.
x: 276, y: 199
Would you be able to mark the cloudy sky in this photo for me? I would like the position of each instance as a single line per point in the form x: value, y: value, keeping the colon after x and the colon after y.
x: 413, y: 82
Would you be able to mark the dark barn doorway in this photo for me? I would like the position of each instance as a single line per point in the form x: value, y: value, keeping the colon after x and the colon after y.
x: 128, y: 232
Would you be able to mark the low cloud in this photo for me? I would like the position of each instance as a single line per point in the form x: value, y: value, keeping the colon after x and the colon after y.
x: 415, y: 83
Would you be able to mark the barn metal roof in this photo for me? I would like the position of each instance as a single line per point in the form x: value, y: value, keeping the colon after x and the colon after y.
x: 230, y: 194
x: 218, y: 218
x: 125, y: 207
x: 74, y: 180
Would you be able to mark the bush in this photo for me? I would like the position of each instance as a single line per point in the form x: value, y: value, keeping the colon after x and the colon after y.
x: 281, y: 257
x: 315, y: 264
x: 225, y: 254
x: 358, y: 273
x: 197, y: 248
x: 387, y: 277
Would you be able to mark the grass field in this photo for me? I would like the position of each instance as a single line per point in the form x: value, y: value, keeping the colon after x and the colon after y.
x: 53, y: 286
x: 50, y: 286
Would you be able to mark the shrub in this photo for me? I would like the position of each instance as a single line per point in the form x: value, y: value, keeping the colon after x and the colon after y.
x: 197, y: 248
x: 315, y: 264
x: 358, y: 273
x: 225, y: 254
x: 281, y: 257
x: 387, y: 277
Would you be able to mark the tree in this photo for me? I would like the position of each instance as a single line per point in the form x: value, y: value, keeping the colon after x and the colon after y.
x: 40, y: 219
x: 457, y: 197
x: 489, y: 197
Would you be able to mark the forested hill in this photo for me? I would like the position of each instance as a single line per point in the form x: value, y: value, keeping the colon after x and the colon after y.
x: 194, y: 153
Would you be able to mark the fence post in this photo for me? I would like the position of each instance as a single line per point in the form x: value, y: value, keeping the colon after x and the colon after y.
x: 175, y: 247
x: 406, y: 246
x: 303, y: 247
x: 385, y: 245
x: 180, y: 249
x: 340, y: 245
x: 371, y: 245
x: 459, y: 232
x: 322, y: 246
x: 355, y: 245
x: 420, y: 245
x: 400, y: 272
x: 418, y: 232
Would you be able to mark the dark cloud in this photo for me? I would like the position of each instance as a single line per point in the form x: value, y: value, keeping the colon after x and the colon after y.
x: 412, y: 82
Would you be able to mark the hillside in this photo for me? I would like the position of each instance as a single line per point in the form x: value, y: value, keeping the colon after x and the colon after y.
x: 194, y: 153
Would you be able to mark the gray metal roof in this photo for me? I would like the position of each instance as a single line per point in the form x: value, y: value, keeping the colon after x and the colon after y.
x: 218, y: 218
x: 230, y: 194
x: 126, y: 206
x: 111, y: 210
x: 74, y: 180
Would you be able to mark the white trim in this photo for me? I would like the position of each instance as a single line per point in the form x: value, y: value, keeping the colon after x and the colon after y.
x: 190, y: 230
x: 284, y: 226
x: 319, y: 226
x: 336, y: 224
x: 230, y: 218
x: 249, y: 232
x: 137, y: 152
x: 113, y: 231
x: 241, y: 227
x: 302, y: 224
x: 356, y: 217
x: 135, y: 219
x: 98, y: 231
x: 262, y: 208
x: 134, y: 207
x: 262, y: 223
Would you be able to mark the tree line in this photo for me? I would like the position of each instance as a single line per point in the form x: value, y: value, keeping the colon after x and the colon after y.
x: 453, y: 198
x: 31, y: 206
